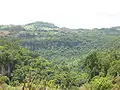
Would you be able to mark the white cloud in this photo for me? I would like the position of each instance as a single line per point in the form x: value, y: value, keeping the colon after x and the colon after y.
x: 69, y: 13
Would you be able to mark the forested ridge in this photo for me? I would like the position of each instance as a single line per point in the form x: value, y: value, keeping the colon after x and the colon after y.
x: 42, y: 56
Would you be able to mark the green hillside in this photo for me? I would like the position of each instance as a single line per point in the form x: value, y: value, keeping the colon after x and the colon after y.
x: 40, y: 56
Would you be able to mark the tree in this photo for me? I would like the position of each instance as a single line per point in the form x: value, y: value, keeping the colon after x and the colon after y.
x: 100, y: 83
x: 115, y: 68
x: 92, y: 64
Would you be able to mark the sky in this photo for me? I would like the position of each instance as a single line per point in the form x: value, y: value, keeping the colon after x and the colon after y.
x: 63, y: 13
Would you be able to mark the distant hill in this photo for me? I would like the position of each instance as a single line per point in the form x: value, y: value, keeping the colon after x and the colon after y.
x: 54, y: 42
x: 40, y: 26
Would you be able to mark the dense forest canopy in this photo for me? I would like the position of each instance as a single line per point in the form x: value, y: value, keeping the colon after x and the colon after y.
x: 40, y: 56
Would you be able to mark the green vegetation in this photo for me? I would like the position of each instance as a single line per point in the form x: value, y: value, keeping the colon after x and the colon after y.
x: 40, y: 56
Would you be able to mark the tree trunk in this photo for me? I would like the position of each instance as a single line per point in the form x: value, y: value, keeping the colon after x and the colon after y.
x: 9, y: 68
x: 2, y: 69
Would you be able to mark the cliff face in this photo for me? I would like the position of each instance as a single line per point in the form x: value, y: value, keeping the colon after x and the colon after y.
x: 4, y: 33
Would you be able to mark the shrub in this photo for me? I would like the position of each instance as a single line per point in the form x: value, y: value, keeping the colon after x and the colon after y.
x: 100, y: 83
